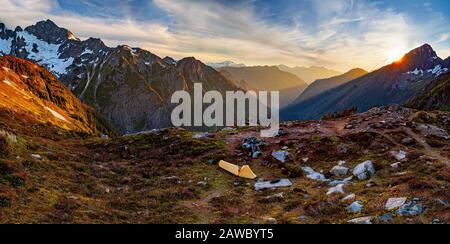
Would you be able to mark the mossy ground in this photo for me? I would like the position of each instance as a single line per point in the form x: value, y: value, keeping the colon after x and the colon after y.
x: 168, y: 176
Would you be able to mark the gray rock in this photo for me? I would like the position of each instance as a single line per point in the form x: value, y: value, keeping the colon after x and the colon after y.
x: 313, y: 175
x: 303, y: 218
x: 281, y: 156
x: 256, y: 154
x: 200, y: 135
x: 386, y: 218
x: 431, y: 130
x: 364, y: 170
x: 400, y: 155
x: 36, y: 156
x: 396, y: 165
x: 410, y: 209
x: 339, y: 189
x: 407, y: 141
x: 344, y: 181
x: 348, y: 198
x: 339, y: 170
x: 202, y: 183
x: 270, y: 221
x: 361, y: 220
x: 436, y: 222
x: 355, y: 207
x: 272, y: 184
x: 394, y: 203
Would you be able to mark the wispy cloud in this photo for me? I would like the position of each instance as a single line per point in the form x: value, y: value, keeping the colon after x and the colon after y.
x: 443, y: 37
x: 341, y: 34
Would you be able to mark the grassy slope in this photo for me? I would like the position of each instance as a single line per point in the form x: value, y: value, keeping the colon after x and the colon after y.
x: 435, y: 97
x: 154, y: 178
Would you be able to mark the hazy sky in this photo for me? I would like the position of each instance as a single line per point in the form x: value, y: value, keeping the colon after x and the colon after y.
x: 338, y: 34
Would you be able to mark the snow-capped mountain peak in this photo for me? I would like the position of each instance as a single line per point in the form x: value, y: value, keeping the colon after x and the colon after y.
x: 56, y: 48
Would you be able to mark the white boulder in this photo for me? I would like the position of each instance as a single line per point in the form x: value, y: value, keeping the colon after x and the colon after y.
x: 363, y: 220
x: 313, y: 175
x: 400, y: 155
x: 348, y: 198
x: 339, y: 171
x: 339, y: 189
x: 394, y: 203
x: 364, y: 170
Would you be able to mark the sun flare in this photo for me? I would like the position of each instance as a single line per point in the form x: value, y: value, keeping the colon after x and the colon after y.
x: 395, y: 55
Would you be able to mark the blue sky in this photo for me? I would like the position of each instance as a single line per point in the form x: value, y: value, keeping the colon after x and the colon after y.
x: 339, y: 34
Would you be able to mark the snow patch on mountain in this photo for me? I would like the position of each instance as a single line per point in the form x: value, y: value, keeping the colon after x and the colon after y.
x: 226, y: 64
x: 56, y: 114
x: 7, y: 82
x: 87, y: 51
x: 45, y: 53
x: 415, y: 72
x: 5, y: 46
x: 437, y: 70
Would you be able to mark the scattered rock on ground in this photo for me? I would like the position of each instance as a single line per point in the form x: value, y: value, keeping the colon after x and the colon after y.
x: 412, y: 208
x: 339, y: 171
x: 396, y: 165
x: 400, y: 155
x: 361, y: 220
x: 394, y: 203
x: 364, y: 170
x: 407, y: 141
x: 36, y: 156
x: 281, y: 156
x: 386, y: 218
x: 254, y: 145
x: 344, y: 181
x: 272, y: 184
x: 349, y: 198
x: 314, y: 175
x: 431, y: 130
x: 355, y: 207
x: 269, y: 221
x: 339, y: 189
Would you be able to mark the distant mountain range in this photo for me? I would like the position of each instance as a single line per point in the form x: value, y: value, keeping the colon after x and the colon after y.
x: 130, y: 86
x: 323, y: 85
x: 225, y: 64
x: 307, y: 74
x: 394, y: 83
x: 267, y: 78
x: 310, y: 74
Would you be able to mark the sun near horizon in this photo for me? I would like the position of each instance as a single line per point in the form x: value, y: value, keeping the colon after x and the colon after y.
x: 395, y: 55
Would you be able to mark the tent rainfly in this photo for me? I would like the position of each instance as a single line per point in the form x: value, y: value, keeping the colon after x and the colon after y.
x: 244, y: 171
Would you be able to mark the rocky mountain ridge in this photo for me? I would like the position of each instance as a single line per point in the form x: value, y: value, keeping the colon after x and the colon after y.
x: 131, y: 87
x: 392, y: 84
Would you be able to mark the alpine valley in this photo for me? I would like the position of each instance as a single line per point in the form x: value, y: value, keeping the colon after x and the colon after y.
x: 86, y: 137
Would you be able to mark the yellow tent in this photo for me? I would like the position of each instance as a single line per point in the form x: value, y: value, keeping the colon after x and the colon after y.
x: 244, y: 171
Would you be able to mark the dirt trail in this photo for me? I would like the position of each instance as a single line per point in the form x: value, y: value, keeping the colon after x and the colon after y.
x: 428, y: 149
